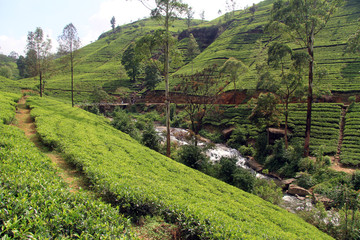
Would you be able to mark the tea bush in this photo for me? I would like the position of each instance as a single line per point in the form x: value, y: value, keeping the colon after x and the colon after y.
x: 141, y: 181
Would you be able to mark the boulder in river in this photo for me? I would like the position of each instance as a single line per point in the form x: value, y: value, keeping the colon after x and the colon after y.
x: 296, y: 190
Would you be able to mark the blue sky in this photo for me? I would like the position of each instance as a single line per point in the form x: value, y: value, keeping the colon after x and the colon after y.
x: 90, y: 17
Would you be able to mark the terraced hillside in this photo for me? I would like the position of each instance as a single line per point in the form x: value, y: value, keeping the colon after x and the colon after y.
x: 35, y: 203
x: 142, y: 181
x: 239, y: 36
x: 325, y: 128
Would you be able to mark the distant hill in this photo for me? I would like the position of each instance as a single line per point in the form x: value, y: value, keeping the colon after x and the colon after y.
x: 231, y: 35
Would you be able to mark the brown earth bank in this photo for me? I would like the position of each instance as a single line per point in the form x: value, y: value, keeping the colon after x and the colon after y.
x: 241, y: 97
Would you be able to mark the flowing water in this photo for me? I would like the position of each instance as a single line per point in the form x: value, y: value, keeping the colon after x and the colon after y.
x: 182, y: 137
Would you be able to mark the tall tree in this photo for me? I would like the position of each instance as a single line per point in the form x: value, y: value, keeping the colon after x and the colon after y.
x: 69, y: 42
x: 113, y: 22
x: 201, y: 91
x: 302, y: 20
x: 202, y: 15
x: 287, y: 81
x: 39, y: 49
x: 189, y: 16
x: 235, y: 68
x: 131, y: 61
x: 167, y: 10
x: 21, y: 64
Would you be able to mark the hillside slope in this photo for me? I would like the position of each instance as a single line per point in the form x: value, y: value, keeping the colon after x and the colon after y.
x: 240, y: 37
x: 142, y: 181
x: 236, y: 35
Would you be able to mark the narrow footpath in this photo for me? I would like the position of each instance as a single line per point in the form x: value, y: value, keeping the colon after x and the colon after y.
x: 71, y: 176
x: 76, y: 179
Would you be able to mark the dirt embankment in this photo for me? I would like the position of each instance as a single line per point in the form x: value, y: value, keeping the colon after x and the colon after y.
x: 240, y: 97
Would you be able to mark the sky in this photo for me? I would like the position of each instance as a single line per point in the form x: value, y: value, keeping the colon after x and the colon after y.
x: 90, y: 17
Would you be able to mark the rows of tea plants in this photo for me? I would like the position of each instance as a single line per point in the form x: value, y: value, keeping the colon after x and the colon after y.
x: 325, y: 125
x: 141, y: 181
x: 8, y: 106
x: 350, y: 151
x: 36, y: 204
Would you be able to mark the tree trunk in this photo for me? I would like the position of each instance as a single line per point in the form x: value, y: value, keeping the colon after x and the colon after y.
x: 72, y: 81
x: 286, y: 122
x: 310, y: 95
x: 166, y: 76
x: 41, y: 83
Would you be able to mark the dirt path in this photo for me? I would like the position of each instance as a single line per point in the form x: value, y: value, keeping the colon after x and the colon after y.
x: 71, y: 176
x: 75, y: 179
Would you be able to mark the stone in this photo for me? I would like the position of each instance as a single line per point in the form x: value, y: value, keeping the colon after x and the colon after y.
x: 296, y: 190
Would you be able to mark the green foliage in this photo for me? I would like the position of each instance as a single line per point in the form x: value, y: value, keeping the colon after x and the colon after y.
x: 192, y: 156
x: 350, y: 151
x: 268, y: 191
x: 131, y: 62
x: 37, y: 204
x: 123, y: 122
x: 5, y: 71
x: 247, y: 151
x: 150, y: 138
x: 140, y: 181
x: 264, y: 110
x: 152, y: 77
x: 284, y: 161
x: 238, y: 137
x: 8, y: 106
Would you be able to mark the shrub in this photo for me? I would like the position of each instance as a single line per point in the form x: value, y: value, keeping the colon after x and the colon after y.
x: 243, y: 179
x: 268, y: 191
x: 150, y: 138
x: 355, y: 180
x: 238, y: 137
x: 123, y: 122
x: 247, y: 151
x: 192, y: 156
x: 306, y: 180
x: 233, y: 175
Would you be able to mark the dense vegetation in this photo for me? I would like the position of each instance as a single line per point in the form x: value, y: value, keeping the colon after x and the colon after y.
x: 240, y: 35
x: 36, y: 203
x: 350, y: 154
x: 142, y: 181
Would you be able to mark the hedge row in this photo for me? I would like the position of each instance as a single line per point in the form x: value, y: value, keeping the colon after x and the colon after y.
x: 350, y: 151
x: 8, y: 106
x: 35, y: 203
x: 142, y: 181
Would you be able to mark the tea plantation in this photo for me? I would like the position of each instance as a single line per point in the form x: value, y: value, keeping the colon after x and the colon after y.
x: 142, y: 181
x: 35, y: 203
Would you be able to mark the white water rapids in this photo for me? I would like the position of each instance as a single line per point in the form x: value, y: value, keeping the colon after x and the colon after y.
x: 181, y: 137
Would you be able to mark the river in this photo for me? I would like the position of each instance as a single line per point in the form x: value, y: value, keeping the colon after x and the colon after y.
x: 181, y: 137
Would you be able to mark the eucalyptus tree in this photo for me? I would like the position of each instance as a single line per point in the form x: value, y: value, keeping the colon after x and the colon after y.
x: 166, y: 11
x: 69, y: 42
x: 38, y: 49
x: 201, y: 91
x: 287, y: 79
x: 113, y: 22
x: 189, y: 16
x: 131, y: 61
x: 235, y: 68
x: 301, y: 21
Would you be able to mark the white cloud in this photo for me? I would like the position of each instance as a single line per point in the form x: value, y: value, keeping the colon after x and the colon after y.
x: 123, y: 11
x: 9, y: 44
